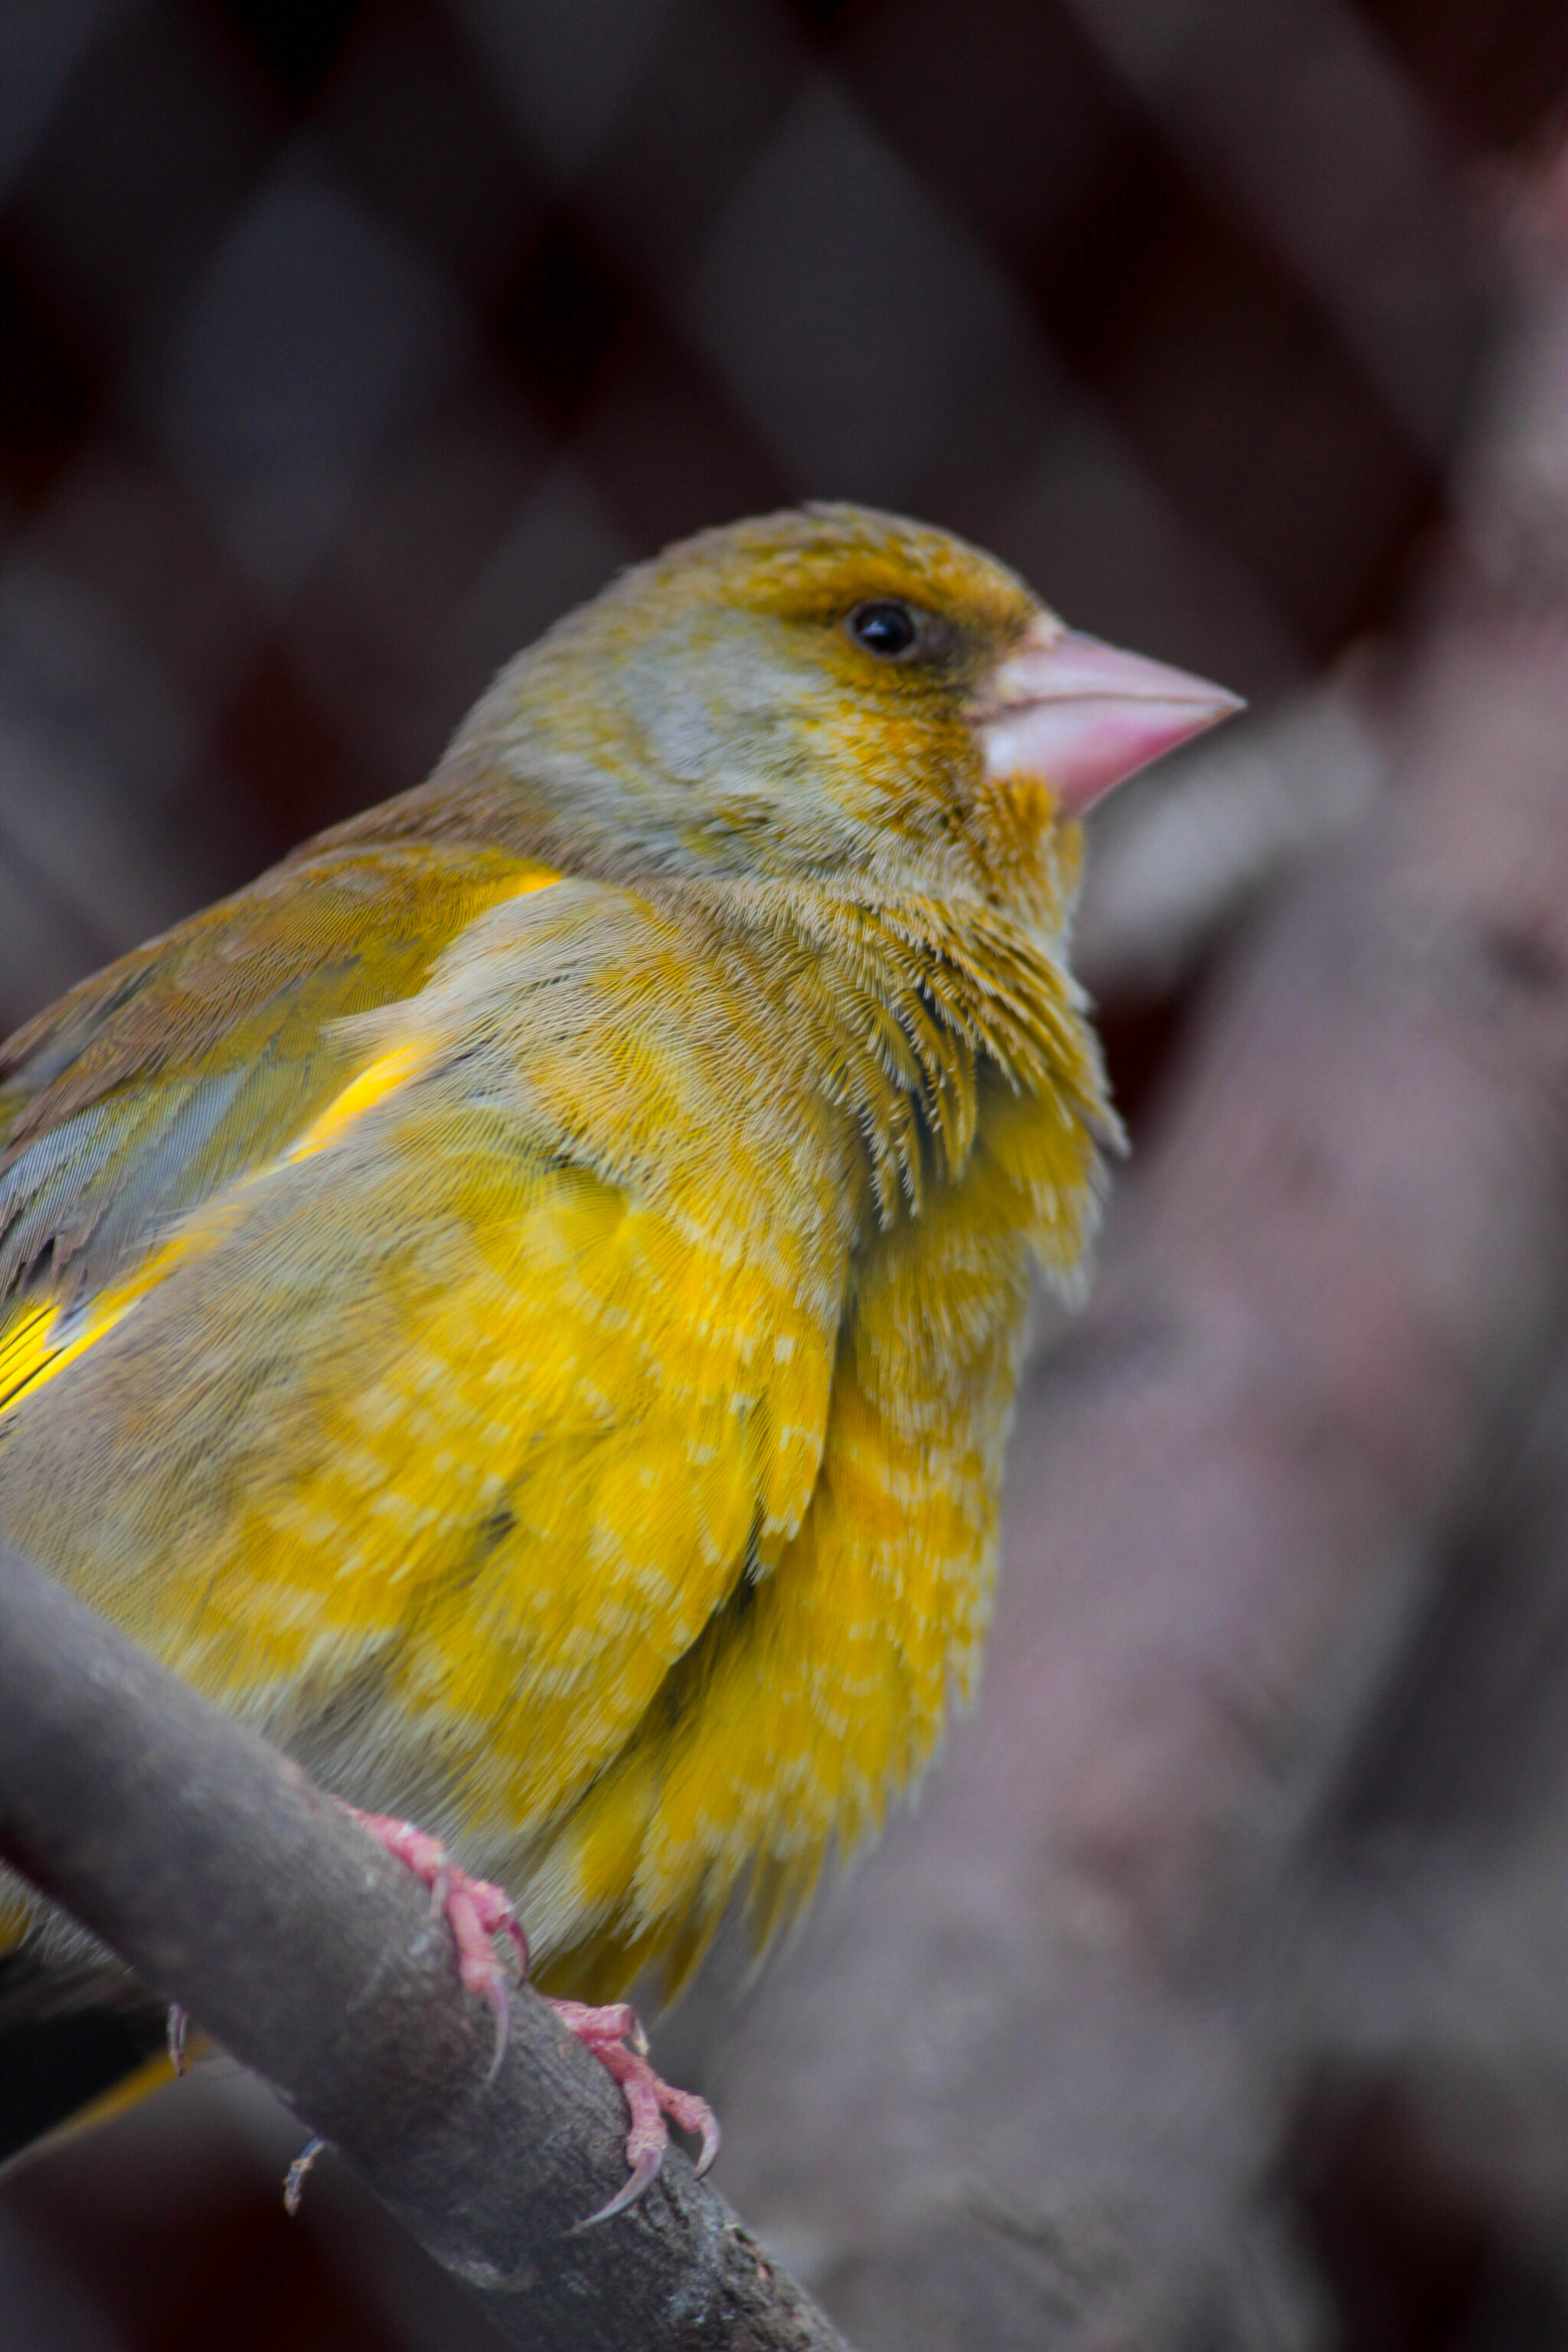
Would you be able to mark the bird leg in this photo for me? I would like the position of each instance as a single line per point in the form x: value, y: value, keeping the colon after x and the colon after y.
x: 476, y: 1911
x: 614, y: 2035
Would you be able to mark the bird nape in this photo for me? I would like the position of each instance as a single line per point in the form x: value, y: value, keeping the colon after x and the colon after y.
x: 522, y: 1304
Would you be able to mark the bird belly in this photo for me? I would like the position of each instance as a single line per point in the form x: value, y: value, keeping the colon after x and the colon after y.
x: 817, y: 1695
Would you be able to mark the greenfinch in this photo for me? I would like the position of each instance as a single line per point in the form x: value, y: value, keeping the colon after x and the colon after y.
x: 522, y: 1304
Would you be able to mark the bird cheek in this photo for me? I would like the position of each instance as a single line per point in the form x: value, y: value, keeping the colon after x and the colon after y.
x: 1029, y: 850
x: 1026, y: 803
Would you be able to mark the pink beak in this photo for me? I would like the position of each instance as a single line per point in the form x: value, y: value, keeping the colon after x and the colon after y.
x: 1082, y: 715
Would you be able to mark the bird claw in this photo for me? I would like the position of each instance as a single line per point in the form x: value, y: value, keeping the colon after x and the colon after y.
x: 498, y: 1994
x: 710, y: 2137
x: 615, y: 2036
x: 294, y: 2180
x: 476, y: 1912
x: 644, y: 2171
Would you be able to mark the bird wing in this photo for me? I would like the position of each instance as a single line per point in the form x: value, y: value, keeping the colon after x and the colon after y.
x: 193, y: 1060
x: 433, y: 1436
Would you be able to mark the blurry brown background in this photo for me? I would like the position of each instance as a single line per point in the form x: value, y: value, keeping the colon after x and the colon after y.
x: 342, y: 346
x: 345, y: 345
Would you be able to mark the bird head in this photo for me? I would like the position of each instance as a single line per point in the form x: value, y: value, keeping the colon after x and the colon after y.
x: 820, y: 693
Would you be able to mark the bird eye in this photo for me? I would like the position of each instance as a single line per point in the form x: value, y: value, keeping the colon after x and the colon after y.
x: 886, y: 627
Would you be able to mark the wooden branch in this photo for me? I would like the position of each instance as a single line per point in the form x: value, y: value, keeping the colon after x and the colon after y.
x: 214, y: 1868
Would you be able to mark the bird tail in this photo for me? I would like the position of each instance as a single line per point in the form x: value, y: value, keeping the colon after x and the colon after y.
x: 64, y: 2073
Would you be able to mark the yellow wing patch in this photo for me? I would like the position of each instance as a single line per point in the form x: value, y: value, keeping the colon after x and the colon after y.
x: 381, y: 1077
x: 25, y: 1346
x: 45, y: 1337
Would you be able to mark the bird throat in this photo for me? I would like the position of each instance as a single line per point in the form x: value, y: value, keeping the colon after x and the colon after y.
x: 916, y: 1004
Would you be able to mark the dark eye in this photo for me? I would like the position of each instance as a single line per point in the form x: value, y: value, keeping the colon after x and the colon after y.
x: 886, y: 627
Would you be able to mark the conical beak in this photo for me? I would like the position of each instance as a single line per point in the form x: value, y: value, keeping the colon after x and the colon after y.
x: 1082, y: 715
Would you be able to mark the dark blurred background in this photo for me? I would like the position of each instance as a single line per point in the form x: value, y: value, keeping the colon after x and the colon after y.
x: 343, y: 345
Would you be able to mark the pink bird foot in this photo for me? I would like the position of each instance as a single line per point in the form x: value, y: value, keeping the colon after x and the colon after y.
x: 605, y: 2033
x: 475, y: 1911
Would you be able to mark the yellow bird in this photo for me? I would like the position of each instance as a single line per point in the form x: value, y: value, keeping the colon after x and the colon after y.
x: 522, y: 1304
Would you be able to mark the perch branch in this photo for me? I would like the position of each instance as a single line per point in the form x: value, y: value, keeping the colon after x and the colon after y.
x: 210, y: 1865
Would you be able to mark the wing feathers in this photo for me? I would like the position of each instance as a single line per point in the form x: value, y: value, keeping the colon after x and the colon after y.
x: 433, y: 1438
